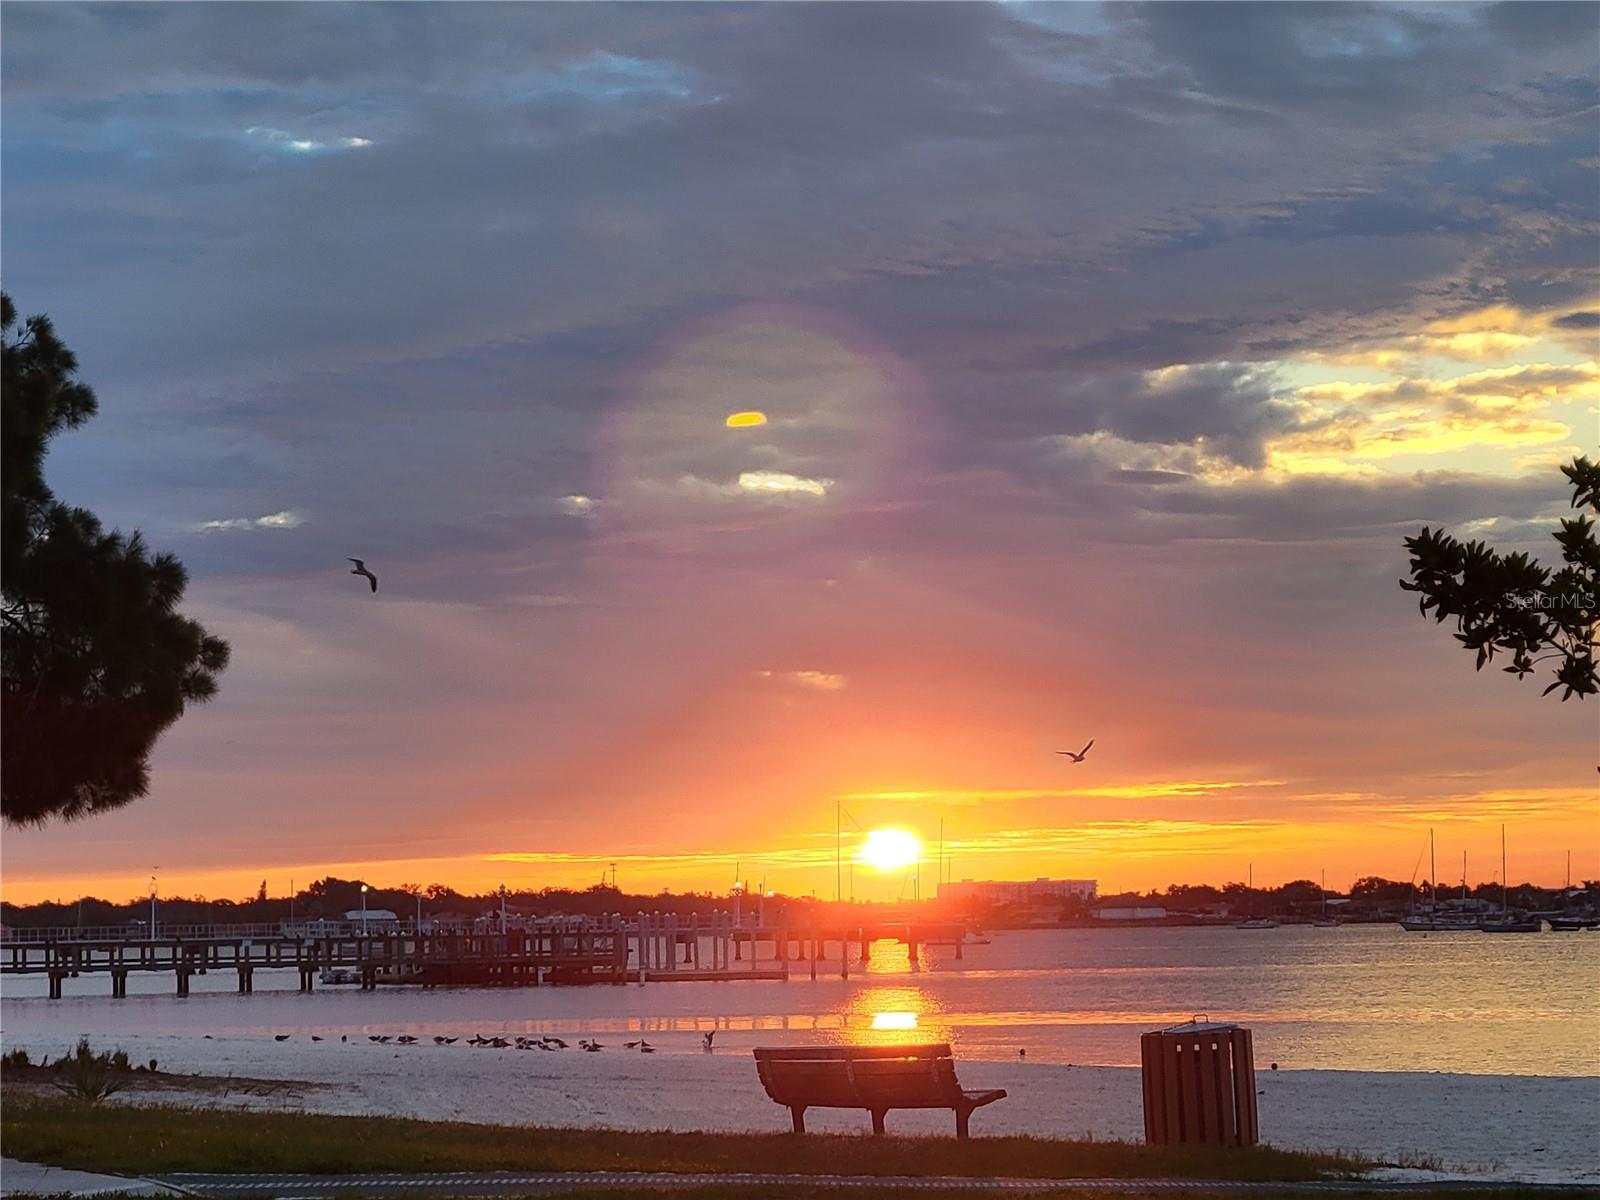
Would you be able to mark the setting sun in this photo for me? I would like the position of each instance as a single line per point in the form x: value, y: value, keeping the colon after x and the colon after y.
x: 890, y: 849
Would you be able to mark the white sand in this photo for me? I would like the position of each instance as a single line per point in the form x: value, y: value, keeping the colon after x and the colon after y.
x: 1508, y: 1127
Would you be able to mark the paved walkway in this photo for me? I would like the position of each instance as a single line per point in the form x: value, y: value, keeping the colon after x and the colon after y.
x: 554, y: 1183
x: 31, y: 1179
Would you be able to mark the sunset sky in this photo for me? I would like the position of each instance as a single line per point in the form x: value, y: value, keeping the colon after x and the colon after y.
x: 1103, y: 357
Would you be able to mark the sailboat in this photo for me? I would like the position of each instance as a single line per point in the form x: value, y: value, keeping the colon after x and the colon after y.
x: 1435, y: 920
x: 1254, y: 922
x: 1506, y: 922
x: 1324, y: 921
x: 1570, y: 922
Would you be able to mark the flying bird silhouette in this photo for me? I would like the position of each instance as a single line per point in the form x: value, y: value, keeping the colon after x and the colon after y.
x: 1078, y: 757
x: 360, y: 568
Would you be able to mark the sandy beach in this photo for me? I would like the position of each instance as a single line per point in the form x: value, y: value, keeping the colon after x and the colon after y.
x: 1506, y: 1127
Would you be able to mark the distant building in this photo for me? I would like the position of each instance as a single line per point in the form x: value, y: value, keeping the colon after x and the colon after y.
x: 372, y: 916
x: 1152, y: 912
x: 1018, y: 891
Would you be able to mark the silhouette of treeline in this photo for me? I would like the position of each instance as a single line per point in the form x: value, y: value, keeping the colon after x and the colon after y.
x: 1371, y: 896
x: 331, y: 898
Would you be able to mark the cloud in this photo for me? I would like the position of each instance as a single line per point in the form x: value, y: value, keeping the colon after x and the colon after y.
x: 1346, y: 426
x: 277, y: 520
x: 822, y: 681
x: 279, y: 139
x: 1144, y: 790
x: 782, y: 483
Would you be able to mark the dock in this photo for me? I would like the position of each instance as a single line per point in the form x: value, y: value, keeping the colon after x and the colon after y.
x: 611, y: 949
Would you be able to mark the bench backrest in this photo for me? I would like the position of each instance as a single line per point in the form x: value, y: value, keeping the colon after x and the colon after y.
x: 859, y: 1076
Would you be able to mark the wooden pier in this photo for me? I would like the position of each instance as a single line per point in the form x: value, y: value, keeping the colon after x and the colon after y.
x: 650, y: 947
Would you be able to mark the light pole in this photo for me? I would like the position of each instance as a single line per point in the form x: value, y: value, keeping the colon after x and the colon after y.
x: 502, y: 908
x: 363, y: 910
x: 153, y: 871
x: 419, y: 914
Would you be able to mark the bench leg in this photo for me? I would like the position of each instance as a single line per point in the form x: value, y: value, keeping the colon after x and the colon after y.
x: 877, y: 1121
x: 963, y: 1116
x: 797, y: 1114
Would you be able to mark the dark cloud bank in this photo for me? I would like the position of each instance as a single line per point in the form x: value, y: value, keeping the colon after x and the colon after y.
x: 382, y: 266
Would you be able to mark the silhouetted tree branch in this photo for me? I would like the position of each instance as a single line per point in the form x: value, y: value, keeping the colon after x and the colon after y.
x: 1510, y: 603
x: 96, y: 663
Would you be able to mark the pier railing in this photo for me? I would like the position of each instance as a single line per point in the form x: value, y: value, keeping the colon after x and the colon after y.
x: 609, y: 948
x: 302, y: 929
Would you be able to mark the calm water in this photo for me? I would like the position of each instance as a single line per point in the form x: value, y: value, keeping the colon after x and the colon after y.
x: 1359, y: 998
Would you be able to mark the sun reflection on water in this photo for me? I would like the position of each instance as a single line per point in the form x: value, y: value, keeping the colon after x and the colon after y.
x: 894, y: 1020
x: 877, y: 1016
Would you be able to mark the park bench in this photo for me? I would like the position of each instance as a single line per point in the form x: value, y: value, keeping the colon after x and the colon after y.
x: 876, y: 1078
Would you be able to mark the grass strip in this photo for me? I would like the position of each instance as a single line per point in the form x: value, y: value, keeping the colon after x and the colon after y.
x: 153, y: 1140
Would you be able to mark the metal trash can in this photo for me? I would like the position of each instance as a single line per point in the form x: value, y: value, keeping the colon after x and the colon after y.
x: 1199, y: 1085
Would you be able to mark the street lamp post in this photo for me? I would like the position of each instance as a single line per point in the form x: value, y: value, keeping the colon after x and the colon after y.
x: 153, y: 871
x: 502, y: 908
x: 363, y: 910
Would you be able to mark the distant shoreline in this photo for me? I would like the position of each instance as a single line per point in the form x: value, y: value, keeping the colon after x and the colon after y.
x: 1171, y: 922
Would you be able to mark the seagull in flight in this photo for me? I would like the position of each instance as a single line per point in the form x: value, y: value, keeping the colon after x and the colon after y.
x: 360, y: 568
x: 1078, y: 757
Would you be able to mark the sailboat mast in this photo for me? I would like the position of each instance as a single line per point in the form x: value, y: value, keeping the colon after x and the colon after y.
x: 1505, y: 893
x: 1433, y: 871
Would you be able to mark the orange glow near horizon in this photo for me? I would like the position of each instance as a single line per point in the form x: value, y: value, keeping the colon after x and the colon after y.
x: 1108, y: 833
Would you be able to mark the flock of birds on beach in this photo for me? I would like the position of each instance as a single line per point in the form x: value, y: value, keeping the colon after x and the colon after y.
x: 588, y: 1045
